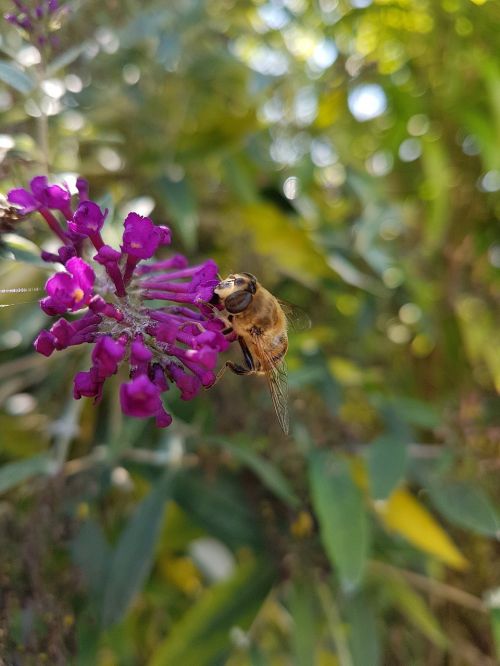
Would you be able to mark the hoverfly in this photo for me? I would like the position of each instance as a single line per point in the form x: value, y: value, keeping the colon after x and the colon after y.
x: 260, y: 321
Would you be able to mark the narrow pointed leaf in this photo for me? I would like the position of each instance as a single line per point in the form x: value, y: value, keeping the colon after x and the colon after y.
x: 14, y: 473
x: 65, y: 59
x: 364, y: 635
x: 404, y: 514
x: 270, y: 475
x: 387, y: 459
x: 466, y: 505
x: 219, y: 506
x: 339, y: 506
x: 414, y: 608
x: 202, y: 636
x: 304, y: 635
x: 133, y: 555
x: 16, y: 78
x: 91, y: 553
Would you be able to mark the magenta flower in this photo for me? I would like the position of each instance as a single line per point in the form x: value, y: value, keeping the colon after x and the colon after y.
x: 141, y: 398
x: 175, y: 342
x: 88, y: 219
x: 69, y: 291
x: 141, y: 237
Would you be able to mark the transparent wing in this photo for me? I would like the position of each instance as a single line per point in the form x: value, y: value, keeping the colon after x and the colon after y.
x: 297, y: 319
x: 276, y: 375
x: 278, y: 387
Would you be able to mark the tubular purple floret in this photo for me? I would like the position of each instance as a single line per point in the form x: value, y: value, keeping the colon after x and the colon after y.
x: 177, y: 261
x: 32, y: 18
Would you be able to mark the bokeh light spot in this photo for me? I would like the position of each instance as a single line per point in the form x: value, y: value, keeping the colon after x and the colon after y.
x: 367, y: 101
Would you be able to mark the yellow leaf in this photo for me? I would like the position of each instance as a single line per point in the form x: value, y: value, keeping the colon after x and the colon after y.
x: 404, y: 514
x: 288, y: 245
x: 182, y: 572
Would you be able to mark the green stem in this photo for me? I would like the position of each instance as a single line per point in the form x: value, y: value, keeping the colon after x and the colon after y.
x: 43, y: 140
x: 334, y: 621
x: 42, y: 123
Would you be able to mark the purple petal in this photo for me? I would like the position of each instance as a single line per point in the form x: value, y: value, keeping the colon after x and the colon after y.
x: 140, y: 397
x: 22, y: 198
x: 38, y: 185
x: 88, y: 219
x: 107, y: 354
x: 69, y: 292
x: 163, y: 419
x: 141, y: 237
x: 139, y: 353
x: 165, y: 235
x: 87, y: 384
x: 158, y: 377
x: 82, y: 273
x: 82, y: 186
x: 107, y: 255
x: 189, y: 385
x: 44, y: 343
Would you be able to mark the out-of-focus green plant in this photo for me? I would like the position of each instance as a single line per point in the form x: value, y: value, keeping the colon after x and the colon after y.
x: 347, y: 153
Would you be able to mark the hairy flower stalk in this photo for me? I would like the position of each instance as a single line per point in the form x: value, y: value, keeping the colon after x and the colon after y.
x: 152, y: 316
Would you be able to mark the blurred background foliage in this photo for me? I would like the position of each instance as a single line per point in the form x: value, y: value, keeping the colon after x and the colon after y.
x: 348, y: 153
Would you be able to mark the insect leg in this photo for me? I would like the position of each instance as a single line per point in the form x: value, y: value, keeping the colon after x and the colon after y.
x: 238, y: 369
x: 246, y: 355
x: 235, y: 367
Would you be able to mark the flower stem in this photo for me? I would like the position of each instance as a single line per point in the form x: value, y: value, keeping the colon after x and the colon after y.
x: 43, y: 140
x: 42, y: 122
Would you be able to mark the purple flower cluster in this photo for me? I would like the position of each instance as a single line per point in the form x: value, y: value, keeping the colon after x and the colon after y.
x: 35, y: 19
x: 175, y: 341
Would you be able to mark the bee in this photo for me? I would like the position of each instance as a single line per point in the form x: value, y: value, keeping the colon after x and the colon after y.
x: 260, y: 321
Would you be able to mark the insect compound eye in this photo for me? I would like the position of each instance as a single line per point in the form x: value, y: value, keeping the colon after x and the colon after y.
x: 239, y: 282
x: 252, y: 283
x: 238, y: 301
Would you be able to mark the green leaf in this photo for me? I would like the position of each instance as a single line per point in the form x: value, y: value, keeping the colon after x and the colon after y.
x: 219, y: 506
x: 339, y: 506
x: 133, y: 555
x: 240, y: 179
x: 492, y: 598
x: 91, y: 553
x: 180, y: 202
x: 387, y: 460
x: 257, y: 657
x: 352, y: 275
x: 269, y: 474
x: 65, y: 59
x: 363, y: 631
x: 495, y: 629
x: 286, y: 245
x: 14, y: 473
x: 467, y: 505
x: 415, y: 412
x: 202, y: 636
x: 16, y: 78
x: 413, y: 607
x: 302, y: 609
x: 23, y: 249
